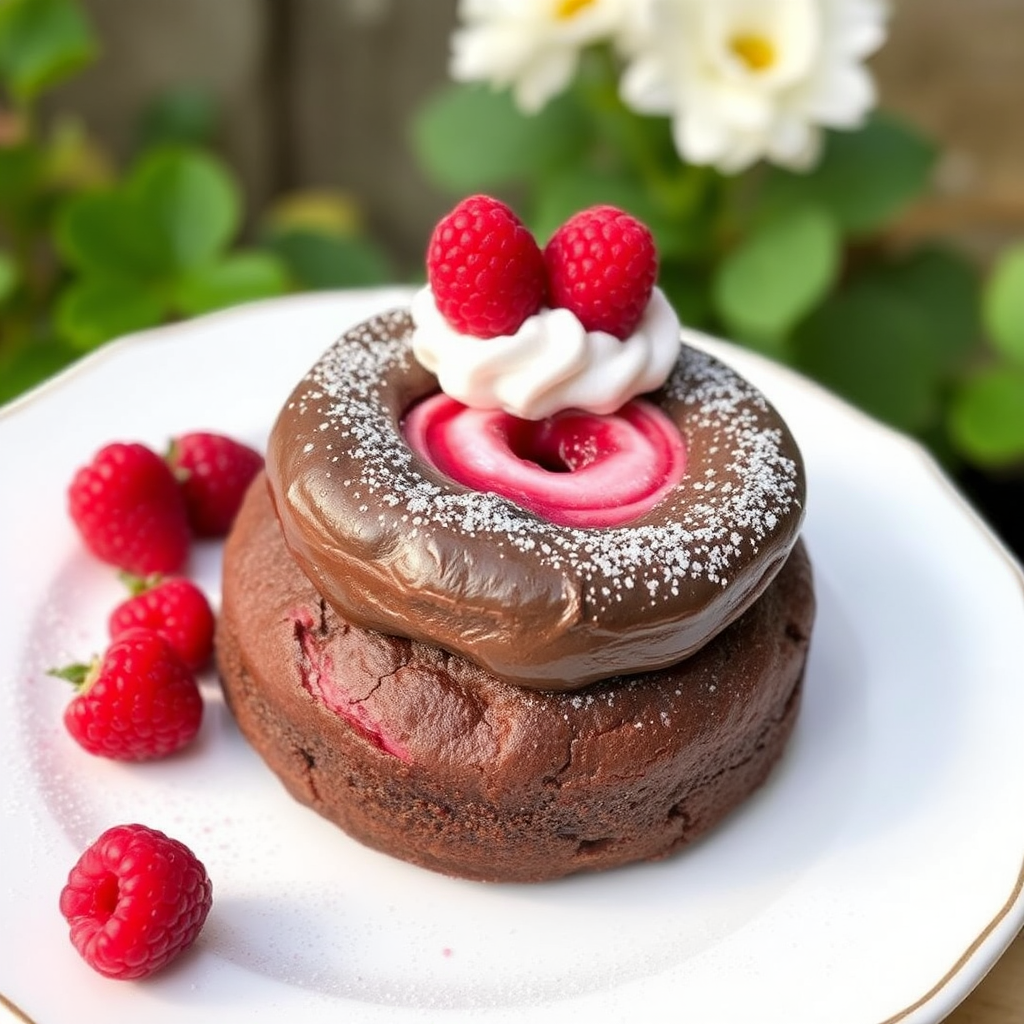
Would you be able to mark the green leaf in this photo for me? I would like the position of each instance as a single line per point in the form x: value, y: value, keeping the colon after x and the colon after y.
x: 178, y: 209
x: 945, y: 288
x: 777, y: 274
x: 105, y: 234
x: 190, y: 201
x: 93, y: 311
x: 986, y: 417
x: 471, y: 138
x: 871, y: 345
x: 8, y: 276
x: 317, y: 260
x: 1004, y: 304
x: 42, y: 42
x: 240, y: 277
x: 864, y: 177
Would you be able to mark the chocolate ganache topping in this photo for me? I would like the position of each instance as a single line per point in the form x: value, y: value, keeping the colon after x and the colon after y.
x: 396, y: 546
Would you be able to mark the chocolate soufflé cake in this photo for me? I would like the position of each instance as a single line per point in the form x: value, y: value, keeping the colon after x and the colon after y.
x: 587, y: 662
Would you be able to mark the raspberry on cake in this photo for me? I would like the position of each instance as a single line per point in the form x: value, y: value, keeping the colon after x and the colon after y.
x: 602, y: 265
x: 485, y: 268
x: 511, y: 606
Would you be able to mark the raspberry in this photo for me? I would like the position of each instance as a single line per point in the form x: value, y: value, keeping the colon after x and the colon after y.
x: 139, y: 702
x: 134, y: 900
x: 129, y: 511
x: 485, y: 269
x: 214, y: 472
x: 175, y: 608
x: 602, y: 265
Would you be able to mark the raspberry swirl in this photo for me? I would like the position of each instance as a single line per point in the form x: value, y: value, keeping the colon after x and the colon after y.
x: 574, y: 468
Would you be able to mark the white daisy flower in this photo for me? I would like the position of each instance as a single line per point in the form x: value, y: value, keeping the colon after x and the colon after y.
x: 531, y: 46
x: 744, y: 80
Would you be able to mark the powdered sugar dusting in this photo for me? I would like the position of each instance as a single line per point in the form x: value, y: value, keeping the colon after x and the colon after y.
x: 742, y: 485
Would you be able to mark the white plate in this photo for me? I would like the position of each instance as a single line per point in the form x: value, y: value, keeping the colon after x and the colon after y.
x: 875, y: 878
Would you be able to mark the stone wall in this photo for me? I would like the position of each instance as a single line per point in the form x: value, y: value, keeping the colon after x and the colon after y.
x: 318, y: 92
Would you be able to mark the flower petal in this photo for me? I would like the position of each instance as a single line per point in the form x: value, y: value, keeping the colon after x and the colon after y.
x: 842, y: 96
x: 546, y: 76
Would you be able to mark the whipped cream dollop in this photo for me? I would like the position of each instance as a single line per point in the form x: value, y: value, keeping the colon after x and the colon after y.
x: 550, y: 364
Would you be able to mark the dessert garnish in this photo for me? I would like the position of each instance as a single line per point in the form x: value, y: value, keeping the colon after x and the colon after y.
x: 583, y: 331
x: 129, y: 510
x: 602, y: 265
x: 596, y: 332
x: 135, y: 900
x: 175, y: 608
x: 485, y: 268
x: 138, y: 702
x: 213, y: 471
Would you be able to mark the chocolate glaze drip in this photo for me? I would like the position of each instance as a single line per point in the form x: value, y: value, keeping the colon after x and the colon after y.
x: 395, y: 546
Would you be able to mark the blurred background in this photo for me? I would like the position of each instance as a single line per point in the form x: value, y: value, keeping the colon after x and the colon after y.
x: 161, y: 158
x: 321, y: 93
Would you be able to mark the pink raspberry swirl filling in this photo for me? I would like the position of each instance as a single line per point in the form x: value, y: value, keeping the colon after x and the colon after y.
x: 573, y: 469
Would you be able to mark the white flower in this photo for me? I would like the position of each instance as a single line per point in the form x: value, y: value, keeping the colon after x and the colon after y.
x: 749, y: 79
x: 532, y: 46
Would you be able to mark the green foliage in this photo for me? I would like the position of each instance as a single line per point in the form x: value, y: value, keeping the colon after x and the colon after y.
x: 799, y: 266
x: 155, y: 247
x: 872, y: 344
x: 863, y: 179
x: 91, y: 312
x: 320, y: 238
x: 86, y: 253
x: 1004, y: 305
x: 471, y: 139
x: 777, y: 274
x: 987, y: 409
x: 237, y: 277
x: 8, y: 277
x: 317, y: 260
x: 42, y: 42
x: 987, y: 416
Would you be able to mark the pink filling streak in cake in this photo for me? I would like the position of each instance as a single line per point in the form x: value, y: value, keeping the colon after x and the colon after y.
x: 573, y: 469
x: 320, y: 681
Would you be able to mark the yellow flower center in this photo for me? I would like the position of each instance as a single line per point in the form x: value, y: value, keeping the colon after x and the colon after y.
x: 755, y: 51
x: 566, y: 9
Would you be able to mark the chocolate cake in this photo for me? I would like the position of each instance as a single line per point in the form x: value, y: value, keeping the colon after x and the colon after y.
x: 512, y: 606
x: 425, y: 756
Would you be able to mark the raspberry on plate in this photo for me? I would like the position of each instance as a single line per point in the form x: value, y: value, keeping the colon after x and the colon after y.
x: 485, y: 268
x: 138, y: 703
x: 175, y: 608
x: 129, y: 511
x: 602, y: 265
x: 134, y: 900
x: 214, y: 472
